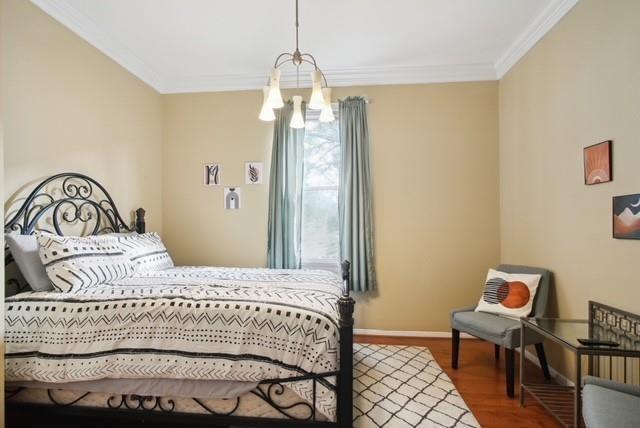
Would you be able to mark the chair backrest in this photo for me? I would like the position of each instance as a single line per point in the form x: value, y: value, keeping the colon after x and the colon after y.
x: 542, y: 293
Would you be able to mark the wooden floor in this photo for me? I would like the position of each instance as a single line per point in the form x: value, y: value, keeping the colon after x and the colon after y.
x: 481, y: 381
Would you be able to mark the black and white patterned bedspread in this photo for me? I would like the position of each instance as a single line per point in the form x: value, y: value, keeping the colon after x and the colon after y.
x: 180, y: 323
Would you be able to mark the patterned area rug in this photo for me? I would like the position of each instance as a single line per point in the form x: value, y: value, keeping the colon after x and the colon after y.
x: 403, y: 386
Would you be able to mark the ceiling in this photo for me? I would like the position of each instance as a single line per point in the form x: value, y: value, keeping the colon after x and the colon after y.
x: 214, y: 45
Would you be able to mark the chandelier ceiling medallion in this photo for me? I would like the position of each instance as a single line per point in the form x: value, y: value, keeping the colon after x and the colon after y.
x: 320, y: 93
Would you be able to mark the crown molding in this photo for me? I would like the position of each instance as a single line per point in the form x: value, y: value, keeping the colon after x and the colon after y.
x: 116, y: 50
x: 536, y: 30
x: 84, y: 27
x: 336, y: 77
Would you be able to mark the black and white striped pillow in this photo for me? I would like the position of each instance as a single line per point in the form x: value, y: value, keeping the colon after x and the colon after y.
x: 74, y: 262
x: 145, y: 251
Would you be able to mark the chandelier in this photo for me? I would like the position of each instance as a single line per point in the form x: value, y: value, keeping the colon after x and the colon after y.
x: 320, y: 93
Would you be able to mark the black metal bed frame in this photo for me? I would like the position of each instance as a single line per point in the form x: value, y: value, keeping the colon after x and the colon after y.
x: 73, y: 198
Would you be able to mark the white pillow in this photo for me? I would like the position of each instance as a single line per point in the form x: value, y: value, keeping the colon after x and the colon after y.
x: 24, y: 249
x: 74, y: 262
x: 145, y: 251
x: 509, y: 294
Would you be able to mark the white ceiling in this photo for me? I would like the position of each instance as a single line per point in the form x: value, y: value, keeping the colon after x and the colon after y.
x: 208, y: 45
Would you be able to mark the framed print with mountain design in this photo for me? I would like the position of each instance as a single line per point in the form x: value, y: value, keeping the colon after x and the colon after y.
x: 253, y: 172
x: 626, y: 216
x: 597, y: 163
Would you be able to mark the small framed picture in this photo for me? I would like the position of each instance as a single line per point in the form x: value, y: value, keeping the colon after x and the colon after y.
x: 211, y: 176
x: 253, y: 172
x: 626, y: 216
x: 597, y: 163
x: 232, y: 198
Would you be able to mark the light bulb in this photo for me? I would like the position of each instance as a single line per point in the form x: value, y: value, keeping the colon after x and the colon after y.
x: 297, y: 121
x: 317, y: 101
x: 274, y: 99
x: 266, y: 113
x: 326, y: 114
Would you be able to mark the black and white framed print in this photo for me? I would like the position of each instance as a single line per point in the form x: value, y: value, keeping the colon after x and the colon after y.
x: 232, y: 197
x: 211, y: 176
x: 253, y: 172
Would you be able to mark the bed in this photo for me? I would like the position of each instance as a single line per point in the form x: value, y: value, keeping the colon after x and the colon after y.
x: 212, y: 345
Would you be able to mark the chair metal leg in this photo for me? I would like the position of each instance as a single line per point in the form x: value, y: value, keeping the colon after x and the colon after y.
x: 455, y: 347
x: 543, y: 361
x: 496, y: 351
x: 510, y: 366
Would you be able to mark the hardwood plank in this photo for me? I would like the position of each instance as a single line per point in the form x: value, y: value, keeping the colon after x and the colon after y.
x: 481, y: 380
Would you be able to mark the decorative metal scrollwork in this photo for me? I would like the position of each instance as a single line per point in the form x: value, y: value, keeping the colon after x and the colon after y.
x: 141, y: 402
x: 68, y: 198
x: 10, y: 393
x: 269, y: 394
x: 57, y: 402
x: 217, y: 412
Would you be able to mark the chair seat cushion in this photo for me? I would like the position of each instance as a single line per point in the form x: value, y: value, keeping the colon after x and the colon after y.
x: 500, y: 330
x: 481, y: 324
x: 604, y: 408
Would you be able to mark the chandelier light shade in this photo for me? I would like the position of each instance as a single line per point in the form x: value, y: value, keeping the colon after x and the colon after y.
x: 320, y: 93
x: 326, y: 114
x: 274, y: 100
x: 266, y: 112
x: 316, y: 102
x: 297, y: 120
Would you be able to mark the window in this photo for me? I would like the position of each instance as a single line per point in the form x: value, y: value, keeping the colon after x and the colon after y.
x: 320, y: 238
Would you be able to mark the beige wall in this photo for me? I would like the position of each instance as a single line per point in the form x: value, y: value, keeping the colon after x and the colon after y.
x: 579, y: 86
x: 435, y: 178
x: 68, y: 107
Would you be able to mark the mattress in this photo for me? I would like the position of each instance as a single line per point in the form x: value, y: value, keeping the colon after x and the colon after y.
x: 184, y: 323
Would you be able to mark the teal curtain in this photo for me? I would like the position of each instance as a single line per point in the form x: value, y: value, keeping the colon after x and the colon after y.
x: 356, y: 220
x: 285, y: 192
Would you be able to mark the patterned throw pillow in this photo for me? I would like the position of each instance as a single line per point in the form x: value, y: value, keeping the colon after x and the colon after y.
x: 74, y: 262
x: 146, y: 251
x: 509, y: 294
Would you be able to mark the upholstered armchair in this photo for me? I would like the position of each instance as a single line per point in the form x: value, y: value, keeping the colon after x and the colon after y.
x: 503, y: 331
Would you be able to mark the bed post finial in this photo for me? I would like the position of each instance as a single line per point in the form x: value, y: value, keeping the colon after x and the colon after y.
x: 140, y: 223
x: 346, y: 276
x: 346, y: 305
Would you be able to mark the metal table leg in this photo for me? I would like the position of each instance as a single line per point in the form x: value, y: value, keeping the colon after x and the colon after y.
x: 523, y: 328
x: 577, y: 411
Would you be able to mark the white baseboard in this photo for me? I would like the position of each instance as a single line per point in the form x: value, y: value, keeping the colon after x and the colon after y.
x: 559, y: 377
x: 409, y: 333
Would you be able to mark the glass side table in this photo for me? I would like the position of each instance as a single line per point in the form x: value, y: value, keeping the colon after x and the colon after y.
x: 621, y: 363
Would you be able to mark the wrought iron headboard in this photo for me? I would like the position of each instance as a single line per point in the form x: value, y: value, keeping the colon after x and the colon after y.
x: 71, y: 198
x: 68, y: 198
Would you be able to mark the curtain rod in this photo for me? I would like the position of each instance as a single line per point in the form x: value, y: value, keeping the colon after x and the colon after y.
x: 366, y: 100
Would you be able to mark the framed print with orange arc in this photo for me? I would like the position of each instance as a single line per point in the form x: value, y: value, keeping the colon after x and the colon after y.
x: 597, y: 163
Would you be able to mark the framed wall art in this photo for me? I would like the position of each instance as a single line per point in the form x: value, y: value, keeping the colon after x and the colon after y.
x: 626, y: 216
x: 597, y: 163
x: 253, y: 172
x: 232, y: 198
x: 211, y: 174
